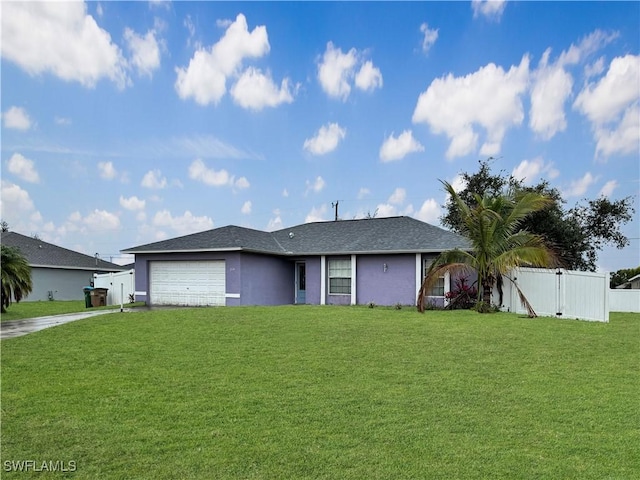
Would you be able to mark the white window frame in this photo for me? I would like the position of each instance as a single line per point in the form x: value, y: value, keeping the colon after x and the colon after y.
x: 445, y: 278
x: 331, y: 274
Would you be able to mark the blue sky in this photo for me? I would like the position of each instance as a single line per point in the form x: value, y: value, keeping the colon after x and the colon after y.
x: 125, y: 123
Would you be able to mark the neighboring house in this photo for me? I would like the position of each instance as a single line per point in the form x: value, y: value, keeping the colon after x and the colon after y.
x: 56, y: 273
x: 380, y: 260
x: 632, y: 283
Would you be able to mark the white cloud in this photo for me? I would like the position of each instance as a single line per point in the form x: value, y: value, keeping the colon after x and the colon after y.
x: 154, y: 179
x: 15, y: 204
x: 214, y: 178
x: 336, y: 72
x: 363, y: 192
x: 166, y: 4
x: 190, y: 26
x: 398, y: 196
x: 101, y: 221
x: 132, y: 203
x: 145, y: 51
x: 489, y: 98
x: 316, y: 186
x: 594, y: 69
x: 551, y: 89
x: 429, y: 211
x: 184, y: 224
x: 430, y: 37
x: 579, y: 187
x: 588, y: 45
x: 326, y: 140
x: 552, y: 85
x: 612, y: 107
x: 242, y: 183
x: 246, y: 208
x: 285, y: 193
x: 75, y: 217
x: 23, y: 168
x: 608, y: 188
x: 274, y: 224
x: 199, y: 171
x: 204, y: 80
x: 62, y: 121
x: 491, y: 9
x: 316, y: 214
x: 255, y: 90
x: 623, y: 138
x: 531, y: 170
x: 107, y: 170
x: 62, y: 39
x: 458, y: 183
x: 397, y: 148
x: 386, y: 210
x: 368, y: 77
x: 16, y: 118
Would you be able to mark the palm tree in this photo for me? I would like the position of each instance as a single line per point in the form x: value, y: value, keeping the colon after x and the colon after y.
x: 16, y: 276
x: 497, y: 243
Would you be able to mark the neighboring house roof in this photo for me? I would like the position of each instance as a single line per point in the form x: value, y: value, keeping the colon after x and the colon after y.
x: 629, y: 283
x: 43, y: 254
x: 376, y: 235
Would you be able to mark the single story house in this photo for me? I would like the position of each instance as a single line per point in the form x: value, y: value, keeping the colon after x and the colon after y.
x: 56, y: 273
x: 348, y: 262
x: 632, y: 283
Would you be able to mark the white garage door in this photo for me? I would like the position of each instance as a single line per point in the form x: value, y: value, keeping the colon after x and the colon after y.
x: 192, y: 283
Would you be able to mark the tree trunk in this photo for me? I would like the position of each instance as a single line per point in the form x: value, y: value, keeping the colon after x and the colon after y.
x: 486, y: 293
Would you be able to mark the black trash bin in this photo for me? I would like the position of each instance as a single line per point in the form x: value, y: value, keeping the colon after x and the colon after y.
x: 87, y: 296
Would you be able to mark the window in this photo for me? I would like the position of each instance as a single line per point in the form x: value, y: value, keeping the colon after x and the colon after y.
x: 437, y: 289
x: 340, y: 277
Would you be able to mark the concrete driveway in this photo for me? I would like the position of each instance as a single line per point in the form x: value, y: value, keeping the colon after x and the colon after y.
x: 17, y: 328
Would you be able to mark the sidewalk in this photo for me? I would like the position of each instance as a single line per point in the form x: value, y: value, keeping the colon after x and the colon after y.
x: 17, y: 328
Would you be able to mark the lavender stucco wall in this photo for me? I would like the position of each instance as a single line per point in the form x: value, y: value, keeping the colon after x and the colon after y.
x: 266, y: 280
x: 395, y: 285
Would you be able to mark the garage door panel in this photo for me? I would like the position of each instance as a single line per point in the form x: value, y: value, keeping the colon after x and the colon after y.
x: 191, y: 283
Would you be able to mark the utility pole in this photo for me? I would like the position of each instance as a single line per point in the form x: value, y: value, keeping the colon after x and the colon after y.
x: 335, y: 205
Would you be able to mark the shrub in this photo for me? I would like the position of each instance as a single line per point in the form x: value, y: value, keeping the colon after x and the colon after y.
x: 463, y: 296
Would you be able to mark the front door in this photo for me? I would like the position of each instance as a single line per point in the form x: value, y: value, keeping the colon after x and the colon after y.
x: 301, y: 283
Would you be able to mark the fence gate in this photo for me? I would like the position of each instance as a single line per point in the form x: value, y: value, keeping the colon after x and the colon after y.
x: 559, y: 293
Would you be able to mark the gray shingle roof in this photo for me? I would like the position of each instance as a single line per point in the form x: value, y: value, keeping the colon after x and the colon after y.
x: 42, y: 254
x: 223, y: 238
x: 377, y: 235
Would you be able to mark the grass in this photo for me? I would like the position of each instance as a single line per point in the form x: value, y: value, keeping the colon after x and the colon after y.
x: 19, y: 311
x: 325, y: 393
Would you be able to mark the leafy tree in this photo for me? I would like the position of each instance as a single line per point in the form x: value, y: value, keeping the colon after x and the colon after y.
x: 4, y: 226
x: 493, y: 225
x: 576, y: 234
x: 623, y: 276
x: 15, y: 277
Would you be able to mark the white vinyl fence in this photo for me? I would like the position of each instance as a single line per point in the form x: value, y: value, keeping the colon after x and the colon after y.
x: 624, y: 300
x: 120, y: 285
x: 558, y: 293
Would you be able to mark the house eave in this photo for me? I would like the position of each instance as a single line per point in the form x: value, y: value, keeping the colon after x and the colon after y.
x: 190, y: 250
x: 67, y: 267
x: 290, y: 253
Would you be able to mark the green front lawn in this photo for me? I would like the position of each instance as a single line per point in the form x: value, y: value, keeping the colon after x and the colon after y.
x: 19, y: 311
x: 325, y: 393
